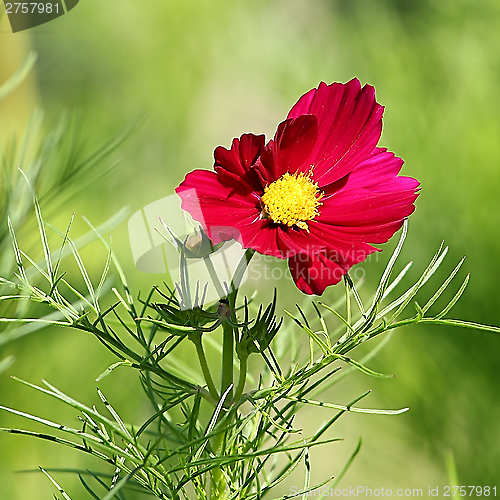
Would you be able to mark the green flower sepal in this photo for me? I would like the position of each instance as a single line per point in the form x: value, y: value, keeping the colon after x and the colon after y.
x: 258, y: 337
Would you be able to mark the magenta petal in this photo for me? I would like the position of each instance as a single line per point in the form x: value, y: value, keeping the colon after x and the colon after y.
x: 347, y: 247
x: 372, y: 204
x: 313, y: 273
x: 263, y: 238
x: 290, y: 149
x: 333, y: 187
x: 214, y: 205
x: 269, y: 238
x: 363, y: 207
x: 234, y: 165
x: 302, y: 106
x: 210, y: 190
x: 378, y: 171
x: 242, y: 155
x: 349, y: 127
x: 353, y: 240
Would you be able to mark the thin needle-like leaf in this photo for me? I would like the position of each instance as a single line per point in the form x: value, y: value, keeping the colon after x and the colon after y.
x: 397, y: 280
x: 41, y: 228
x: 379, y: 294
x: 443, y: 287
x: 454, y: 300
x: 307, y: 478
x: 19, y: 76
x: 213, y: 421
x: 347, y: 408
x: 338, y: 315
x: 6, y: 363
x: 113, y: 491
x: 347, y: 465
x: 17, y: 253
x: 52, y: 480
x: 316, y: 338
x: 119, y: 268
x: 405, y: 299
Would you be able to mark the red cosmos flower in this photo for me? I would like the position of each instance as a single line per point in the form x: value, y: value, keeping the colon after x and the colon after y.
x: 319, y: 193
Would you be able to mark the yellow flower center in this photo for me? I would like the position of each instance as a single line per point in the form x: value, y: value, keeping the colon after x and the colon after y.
x: 293, y: 199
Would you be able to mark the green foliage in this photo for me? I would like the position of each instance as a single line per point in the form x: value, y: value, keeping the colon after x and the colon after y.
x: 58, y: 165
x: 232, y: 445
x: 209, y: 71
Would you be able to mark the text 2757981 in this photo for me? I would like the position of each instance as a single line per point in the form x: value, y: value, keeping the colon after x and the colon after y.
x: 31, y: 8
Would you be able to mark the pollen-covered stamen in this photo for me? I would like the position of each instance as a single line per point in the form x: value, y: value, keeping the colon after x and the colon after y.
x: 292, y: 200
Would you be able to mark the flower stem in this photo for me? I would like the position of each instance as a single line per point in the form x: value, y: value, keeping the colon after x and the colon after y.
x: 347, y: 302
x: 227, y: 361
x: 204, y: 367
x: 242, y: 378
x: 240, y: 269
x: 218, y: 482
x: 213, y: 276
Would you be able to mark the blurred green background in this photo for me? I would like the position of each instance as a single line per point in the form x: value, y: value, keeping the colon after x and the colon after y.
x: 205, y: 72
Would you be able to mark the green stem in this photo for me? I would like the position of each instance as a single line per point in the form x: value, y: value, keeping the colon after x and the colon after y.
x: 227, y: 361
x: 242, y: 378
x: 204, y: 367
x: 347, y: 302
x: 218, y: 483
x: 241, y: 268
x: 219, y: 486
x: 213, y: 276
